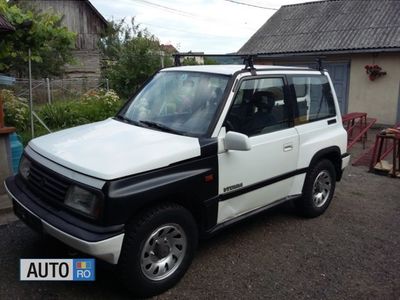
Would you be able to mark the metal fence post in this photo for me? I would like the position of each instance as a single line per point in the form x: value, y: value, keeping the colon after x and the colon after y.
x: 107, y: 85
x: 30, y: 93
x: 48, y: 91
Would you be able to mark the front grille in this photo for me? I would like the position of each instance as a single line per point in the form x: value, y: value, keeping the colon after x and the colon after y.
x: 46, y: 184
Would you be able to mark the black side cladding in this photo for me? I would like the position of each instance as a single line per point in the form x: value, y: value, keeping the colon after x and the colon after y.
x: 192, y: 183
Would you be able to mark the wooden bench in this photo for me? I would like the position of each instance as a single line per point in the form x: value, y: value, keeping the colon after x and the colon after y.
x: 373, y: 155
x: 357, y: 125
x: 386, y: 143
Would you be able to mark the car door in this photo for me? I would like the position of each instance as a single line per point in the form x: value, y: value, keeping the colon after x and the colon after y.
x: 249, y: 180
x: 316, y: 116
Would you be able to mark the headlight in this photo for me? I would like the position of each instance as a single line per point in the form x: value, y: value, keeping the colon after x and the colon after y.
x: 83, y: 201
x: 24, y: 167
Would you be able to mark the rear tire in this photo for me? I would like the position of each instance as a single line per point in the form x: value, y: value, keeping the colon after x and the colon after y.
x: 158, y: 248
x: 318, y: 190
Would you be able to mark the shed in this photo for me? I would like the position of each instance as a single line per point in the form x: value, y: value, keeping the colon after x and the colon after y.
x: 5, y: 27
x: 86, y: 21
x: 347, y: 36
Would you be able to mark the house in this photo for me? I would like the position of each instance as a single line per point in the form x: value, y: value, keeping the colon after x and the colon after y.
x: 168, y: 49
x: 198, y: 57
x: 347, y: 36
x: 85, y: 20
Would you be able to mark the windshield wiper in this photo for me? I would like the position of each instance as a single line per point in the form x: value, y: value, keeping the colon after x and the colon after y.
x: 121, y: 118
x: 159, y: 126
x: 127, y: 120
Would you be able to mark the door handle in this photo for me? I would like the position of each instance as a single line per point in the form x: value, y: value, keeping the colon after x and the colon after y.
x: 331, y: 121
x: 287, y: 147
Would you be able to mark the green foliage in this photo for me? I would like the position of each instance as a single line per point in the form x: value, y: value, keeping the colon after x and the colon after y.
x: 112, y: 42
x: 132, y: 55
x: 168, y: 61
x: 26, y: 135
x: 189, y: 61
x: 210, y: 61
x: 16, y: 113
x: 94, y: 106
x: 91, y: 107
x: 60, y: 115
x: 50, y: 43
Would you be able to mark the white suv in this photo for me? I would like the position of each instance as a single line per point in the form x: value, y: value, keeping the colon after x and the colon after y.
x: 198, y: 148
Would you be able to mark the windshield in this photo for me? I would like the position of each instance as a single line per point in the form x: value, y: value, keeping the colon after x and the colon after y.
x: 178, y: 102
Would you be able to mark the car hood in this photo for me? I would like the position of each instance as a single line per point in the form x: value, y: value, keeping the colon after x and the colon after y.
x: 111, y: 149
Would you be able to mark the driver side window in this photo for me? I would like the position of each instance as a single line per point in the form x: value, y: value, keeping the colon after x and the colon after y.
x: 259, y: 107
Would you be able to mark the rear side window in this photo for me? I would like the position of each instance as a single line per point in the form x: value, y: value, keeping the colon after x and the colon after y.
x: 314, y: 98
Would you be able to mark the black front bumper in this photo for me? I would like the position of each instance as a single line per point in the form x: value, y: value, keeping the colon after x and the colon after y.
x: 33, y: 211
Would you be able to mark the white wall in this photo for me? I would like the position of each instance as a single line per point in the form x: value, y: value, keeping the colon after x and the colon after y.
x: 379, y: 98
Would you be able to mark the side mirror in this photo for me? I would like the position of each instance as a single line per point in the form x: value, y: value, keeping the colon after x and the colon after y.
x: 237, y: 141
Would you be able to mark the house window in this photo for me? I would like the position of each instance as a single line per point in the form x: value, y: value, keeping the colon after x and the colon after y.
x: 259, y: 107
x: 314, y: 98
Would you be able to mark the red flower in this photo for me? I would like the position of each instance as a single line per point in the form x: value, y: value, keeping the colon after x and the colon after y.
x: 374, y: 71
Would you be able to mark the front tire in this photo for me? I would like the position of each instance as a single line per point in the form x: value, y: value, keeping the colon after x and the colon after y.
x: 158, y: 248
x: 318, y: 190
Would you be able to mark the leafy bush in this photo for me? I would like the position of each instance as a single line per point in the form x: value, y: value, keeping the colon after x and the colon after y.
x: 59, y: 115
x: 16, y: 112
x: 93, y: 106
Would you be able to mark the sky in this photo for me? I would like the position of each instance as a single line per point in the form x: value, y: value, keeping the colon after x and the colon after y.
x: 210, y: 26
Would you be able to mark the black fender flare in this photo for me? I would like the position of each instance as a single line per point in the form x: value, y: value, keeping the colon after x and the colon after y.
x: 332, y: 153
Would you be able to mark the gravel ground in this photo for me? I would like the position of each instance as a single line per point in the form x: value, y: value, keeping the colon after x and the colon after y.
x: 351, y: 252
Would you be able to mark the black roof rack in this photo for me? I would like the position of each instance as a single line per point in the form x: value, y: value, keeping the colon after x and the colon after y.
x: 247, y: 58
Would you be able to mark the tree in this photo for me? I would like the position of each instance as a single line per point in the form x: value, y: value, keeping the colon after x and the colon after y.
x: 189, y: 61
x: 50, y: 43
x: 117, y: 33
x: 131, y: 56
x: 210, y: 61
